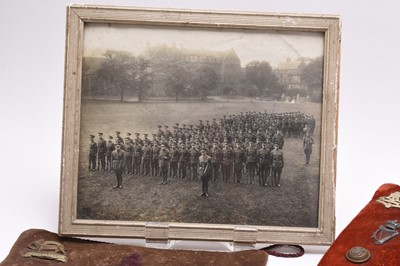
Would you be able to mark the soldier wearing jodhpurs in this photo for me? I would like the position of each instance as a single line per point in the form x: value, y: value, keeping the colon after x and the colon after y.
x: 205, y: 171
x: 308, y: 141
x: 277, y: 165
x: 164, y: 158
x: 118, y: 164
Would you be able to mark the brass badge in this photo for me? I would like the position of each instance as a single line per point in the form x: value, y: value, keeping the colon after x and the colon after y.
x: 50, y: 250
x: 358, y: 255
x: 393, y: 200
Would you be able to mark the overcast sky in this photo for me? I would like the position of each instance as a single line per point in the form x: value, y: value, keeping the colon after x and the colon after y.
x: 272, y: 46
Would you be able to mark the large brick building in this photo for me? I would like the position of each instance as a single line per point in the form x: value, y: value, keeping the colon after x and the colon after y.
x: 289, y: 73
x: 226, y: 64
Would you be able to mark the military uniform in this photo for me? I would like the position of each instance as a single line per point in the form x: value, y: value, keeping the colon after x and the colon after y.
x: 174, y: 161
x: 164, y: 162
x: 128, y: 138
x: 109, y: 149
x: 278, y: 139
x: 183, y: 161
x: 216, y: 159
x: 308, y: 141
x: 92, y: 154
x: 251, y: 158
x: 101, y: 153
x: 136, y: 158
x: 118, y: 138
x: 205, y: 173
x: 167, y: 133
x: 264, y: 161
x: 227, y: 159
x: 277, y: 166
x: 239, y: 158
x: 138, y: 139
x: 194, y: 161
x: 146, y: 139
x: 128, y: 156
x: 251, y: 136
x: 155, y: 167
x: 118, y: 165
x: 146, y: 159
x: 160, y: 133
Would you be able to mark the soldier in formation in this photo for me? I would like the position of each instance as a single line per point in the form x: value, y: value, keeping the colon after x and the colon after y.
x: 110, y: 147
x: 92, y: 153
x: 101, y: 153
x: 240, y: 148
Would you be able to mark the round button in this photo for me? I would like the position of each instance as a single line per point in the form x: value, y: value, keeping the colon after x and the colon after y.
x: 358, y: 255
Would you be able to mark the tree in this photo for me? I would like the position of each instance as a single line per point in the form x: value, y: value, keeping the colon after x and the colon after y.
x: 251, y: 91
x: 260, y: 74
x: 142, y: 78
x: 312, y: 77
x: 205, y: 81
x: 122, y: 72
x: 117, y: 72
x: 176, y: 81
x: 227, y: 90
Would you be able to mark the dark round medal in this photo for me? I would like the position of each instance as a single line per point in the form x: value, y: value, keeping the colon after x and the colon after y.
x: 358, y: 255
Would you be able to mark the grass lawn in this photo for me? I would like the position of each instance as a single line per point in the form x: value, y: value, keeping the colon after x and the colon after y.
x: 294, y: 204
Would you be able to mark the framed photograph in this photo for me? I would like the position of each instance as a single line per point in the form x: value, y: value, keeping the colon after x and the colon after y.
x: 200, y: 125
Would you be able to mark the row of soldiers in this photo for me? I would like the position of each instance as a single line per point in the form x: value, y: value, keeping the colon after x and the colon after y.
x: 236, y: 145
x: 251, y: 125
x: 179, y: 161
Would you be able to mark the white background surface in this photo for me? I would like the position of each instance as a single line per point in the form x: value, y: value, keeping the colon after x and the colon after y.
x: 32, y: 46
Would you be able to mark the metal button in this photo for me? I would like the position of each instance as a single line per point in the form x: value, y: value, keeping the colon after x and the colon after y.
x: 358, y: 255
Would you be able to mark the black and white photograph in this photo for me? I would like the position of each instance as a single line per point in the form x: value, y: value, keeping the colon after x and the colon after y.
x: 153, y: 99
x: 200, y: 126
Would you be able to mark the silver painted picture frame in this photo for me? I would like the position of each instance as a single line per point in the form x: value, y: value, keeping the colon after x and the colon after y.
x: 76, y: 220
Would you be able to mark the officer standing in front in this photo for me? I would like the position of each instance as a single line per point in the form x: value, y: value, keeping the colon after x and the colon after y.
x: 205, y: 171
x: 277, y: 165
x: 118, y: 164
x: 308, y: 141
x: 164, y: 162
